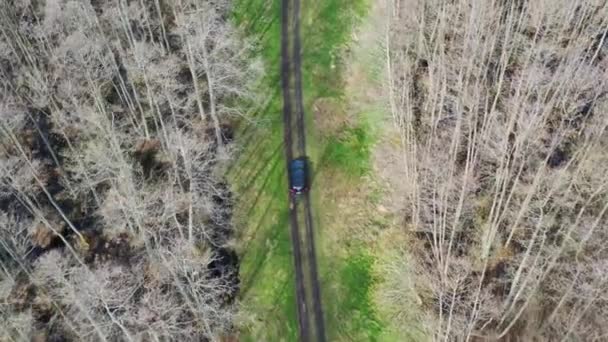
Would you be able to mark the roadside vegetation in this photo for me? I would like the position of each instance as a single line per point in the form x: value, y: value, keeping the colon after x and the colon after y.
x: 268, y: 301
x: 115, y: 130
x: 503, y: 109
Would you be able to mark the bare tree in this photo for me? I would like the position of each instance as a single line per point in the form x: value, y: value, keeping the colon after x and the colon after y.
x: 109, y: 183
x: 503, y: 126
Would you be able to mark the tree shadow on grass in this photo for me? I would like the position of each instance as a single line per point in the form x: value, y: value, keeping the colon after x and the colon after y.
x: 260, y: 254
x: 279, y: 313
x: 241, y: 163
x: 261, y: 146
x: 266, y: 196
x: 246, y: 181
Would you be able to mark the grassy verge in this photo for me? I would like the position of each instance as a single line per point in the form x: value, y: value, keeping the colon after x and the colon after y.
x: 357, y: 234
x: 341, y: 159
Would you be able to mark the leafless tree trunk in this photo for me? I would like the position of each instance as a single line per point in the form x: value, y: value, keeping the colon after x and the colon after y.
x: 503, y: 126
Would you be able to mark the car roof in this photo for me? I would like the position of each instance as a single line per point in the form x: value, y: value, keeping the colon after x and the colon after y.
x: 297, y: 173
x: 299, y: 161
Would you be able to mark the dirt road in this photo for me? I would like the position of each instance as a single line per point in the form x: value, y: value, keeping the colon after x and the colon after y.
x: 308, y: 291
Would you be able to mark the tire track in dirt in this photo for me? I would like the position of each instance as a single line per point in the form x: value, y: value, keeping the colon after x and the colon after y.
x: 302, y: 237
x: 303, y: 323
x: 308, y: 217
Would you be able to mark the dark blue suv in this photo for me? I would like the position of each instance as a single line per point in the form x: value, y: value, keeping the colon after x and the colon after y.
x: 298, y: 179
